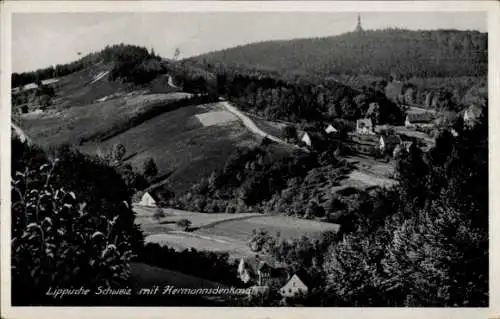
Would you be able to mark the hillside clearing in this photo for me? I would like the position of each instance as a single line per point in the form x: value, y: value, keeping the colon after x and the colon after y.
x: 180, y: 145
x: 73, y: 124
x: 216, y: 117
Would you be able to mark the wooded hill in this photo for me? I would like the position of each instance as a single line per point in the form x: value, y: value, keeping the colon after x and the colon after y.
x: 439, y: 53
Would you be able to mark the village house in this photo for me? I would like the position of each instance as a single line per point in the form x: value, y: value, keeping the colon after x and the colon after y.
x: 306, y: 139
x: 313, y: 139
x: 330, y: 129
x: 415, y: 119
x: 260, y: 274
x: 364, y: 127
x: 297, y: 284
x: 472, y: 115
x: 147, y: 200
x: 254, y: 270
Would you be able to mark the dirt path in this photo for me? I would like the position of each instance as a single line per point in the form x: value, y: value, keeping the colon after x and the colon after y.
x: 171, y: 82
x: 253, y: 127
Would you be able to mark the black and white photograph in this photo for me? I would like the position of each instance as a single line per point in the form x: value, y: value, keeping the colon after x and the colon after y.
x: 248, y: 159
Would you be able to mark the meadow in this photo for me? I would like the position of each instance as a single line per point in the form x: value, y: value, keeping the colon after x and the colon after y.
x: 223, y: 232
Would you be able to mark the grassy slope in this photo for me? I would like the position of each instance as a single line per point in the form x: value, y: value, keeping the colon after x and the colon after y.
x: 180, y: 144
x: 72, y: 124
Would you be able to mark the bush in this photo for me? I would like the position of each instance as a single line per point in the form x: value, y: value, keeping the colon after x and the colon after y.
x: 60, y: 241
x: 184, y: 223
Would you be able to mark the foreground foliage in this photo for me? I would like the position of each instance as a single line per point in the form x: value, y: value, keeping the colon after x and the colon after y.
x: 68, y: 231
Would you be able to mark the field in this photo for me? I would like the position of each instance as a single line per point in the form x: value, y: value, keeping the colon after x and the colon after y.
x: 223, y: 232
x: 216, y: 117
x: 180, y: 144
x: 70, y: 125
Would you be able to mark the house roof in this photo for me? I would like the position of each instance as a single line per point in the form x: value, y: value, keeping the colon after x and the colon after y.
x: 420, y: 117
x: 330, y: 128
x: 304, y: 277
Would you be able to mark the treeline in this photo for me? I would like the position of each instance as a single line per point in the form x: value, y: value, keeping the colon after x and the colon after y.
x: 440, y: 53
x: 304, y: 101
x: 131, y: 63
x: 249, y: 177
x: 442, y: 94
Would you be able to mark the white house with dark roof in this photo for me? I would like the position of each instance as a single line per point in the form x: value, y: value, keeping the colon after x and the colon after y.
x: 330, y: 129
x: 294, y: 286
x: 147, y: 200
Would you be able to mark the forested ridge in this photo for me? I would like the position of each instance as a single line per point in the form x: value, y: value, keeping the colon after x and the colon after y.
x: 408, y: 53
x: 128, y: 62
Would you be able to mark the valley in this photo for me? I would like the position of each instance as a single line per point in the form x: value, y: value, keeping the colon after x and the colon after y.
x: 325, y: 163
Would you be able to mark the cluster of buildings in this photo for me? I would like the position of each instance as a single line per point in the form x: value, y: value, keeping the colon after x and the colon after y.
x: 389, y: 140
x: 262, y: 277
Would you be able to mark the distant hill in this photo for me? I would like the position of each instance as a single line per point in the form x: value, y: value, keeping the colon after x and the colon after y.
x: 405, y: 53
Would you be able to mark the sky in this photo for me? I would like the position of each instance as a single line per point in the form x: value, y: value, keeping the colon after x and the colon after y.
x: 43, y: 39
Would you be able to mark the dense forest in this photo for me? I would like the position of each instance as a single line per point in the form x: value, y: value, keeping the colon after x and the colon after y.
x: 440, y: 53
x: 298, y: 101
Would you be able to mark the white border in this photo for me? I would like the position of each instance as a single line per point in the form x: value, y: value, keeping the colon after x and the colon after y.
x: 8, y: 7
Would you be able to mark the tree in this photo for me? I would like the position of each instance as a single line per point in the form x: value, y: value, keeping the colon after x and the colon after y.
x: 117, y: 153
x: 348, y: 108
x: 150, y: 169
x: 289, y: 132
x: 159, y: 214
x: 373, y: 113
x: 184, y: 223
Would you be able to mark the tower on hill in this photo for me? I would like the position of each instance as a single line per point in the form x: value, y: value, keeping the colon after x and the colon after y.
x: 358, y: 26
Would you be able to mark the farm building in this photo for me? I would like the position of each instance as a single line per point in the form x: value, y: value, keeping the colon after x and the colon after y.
x: 330, y: 129
x: 254, y: 270
x: 295, y: 285
x: 147, y: 200
x: 306, y: 139
x: 259, y: 271
x: 364, y: 144
x: 419, y: 118
x: 472, y: 115
x: 364, y: 127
